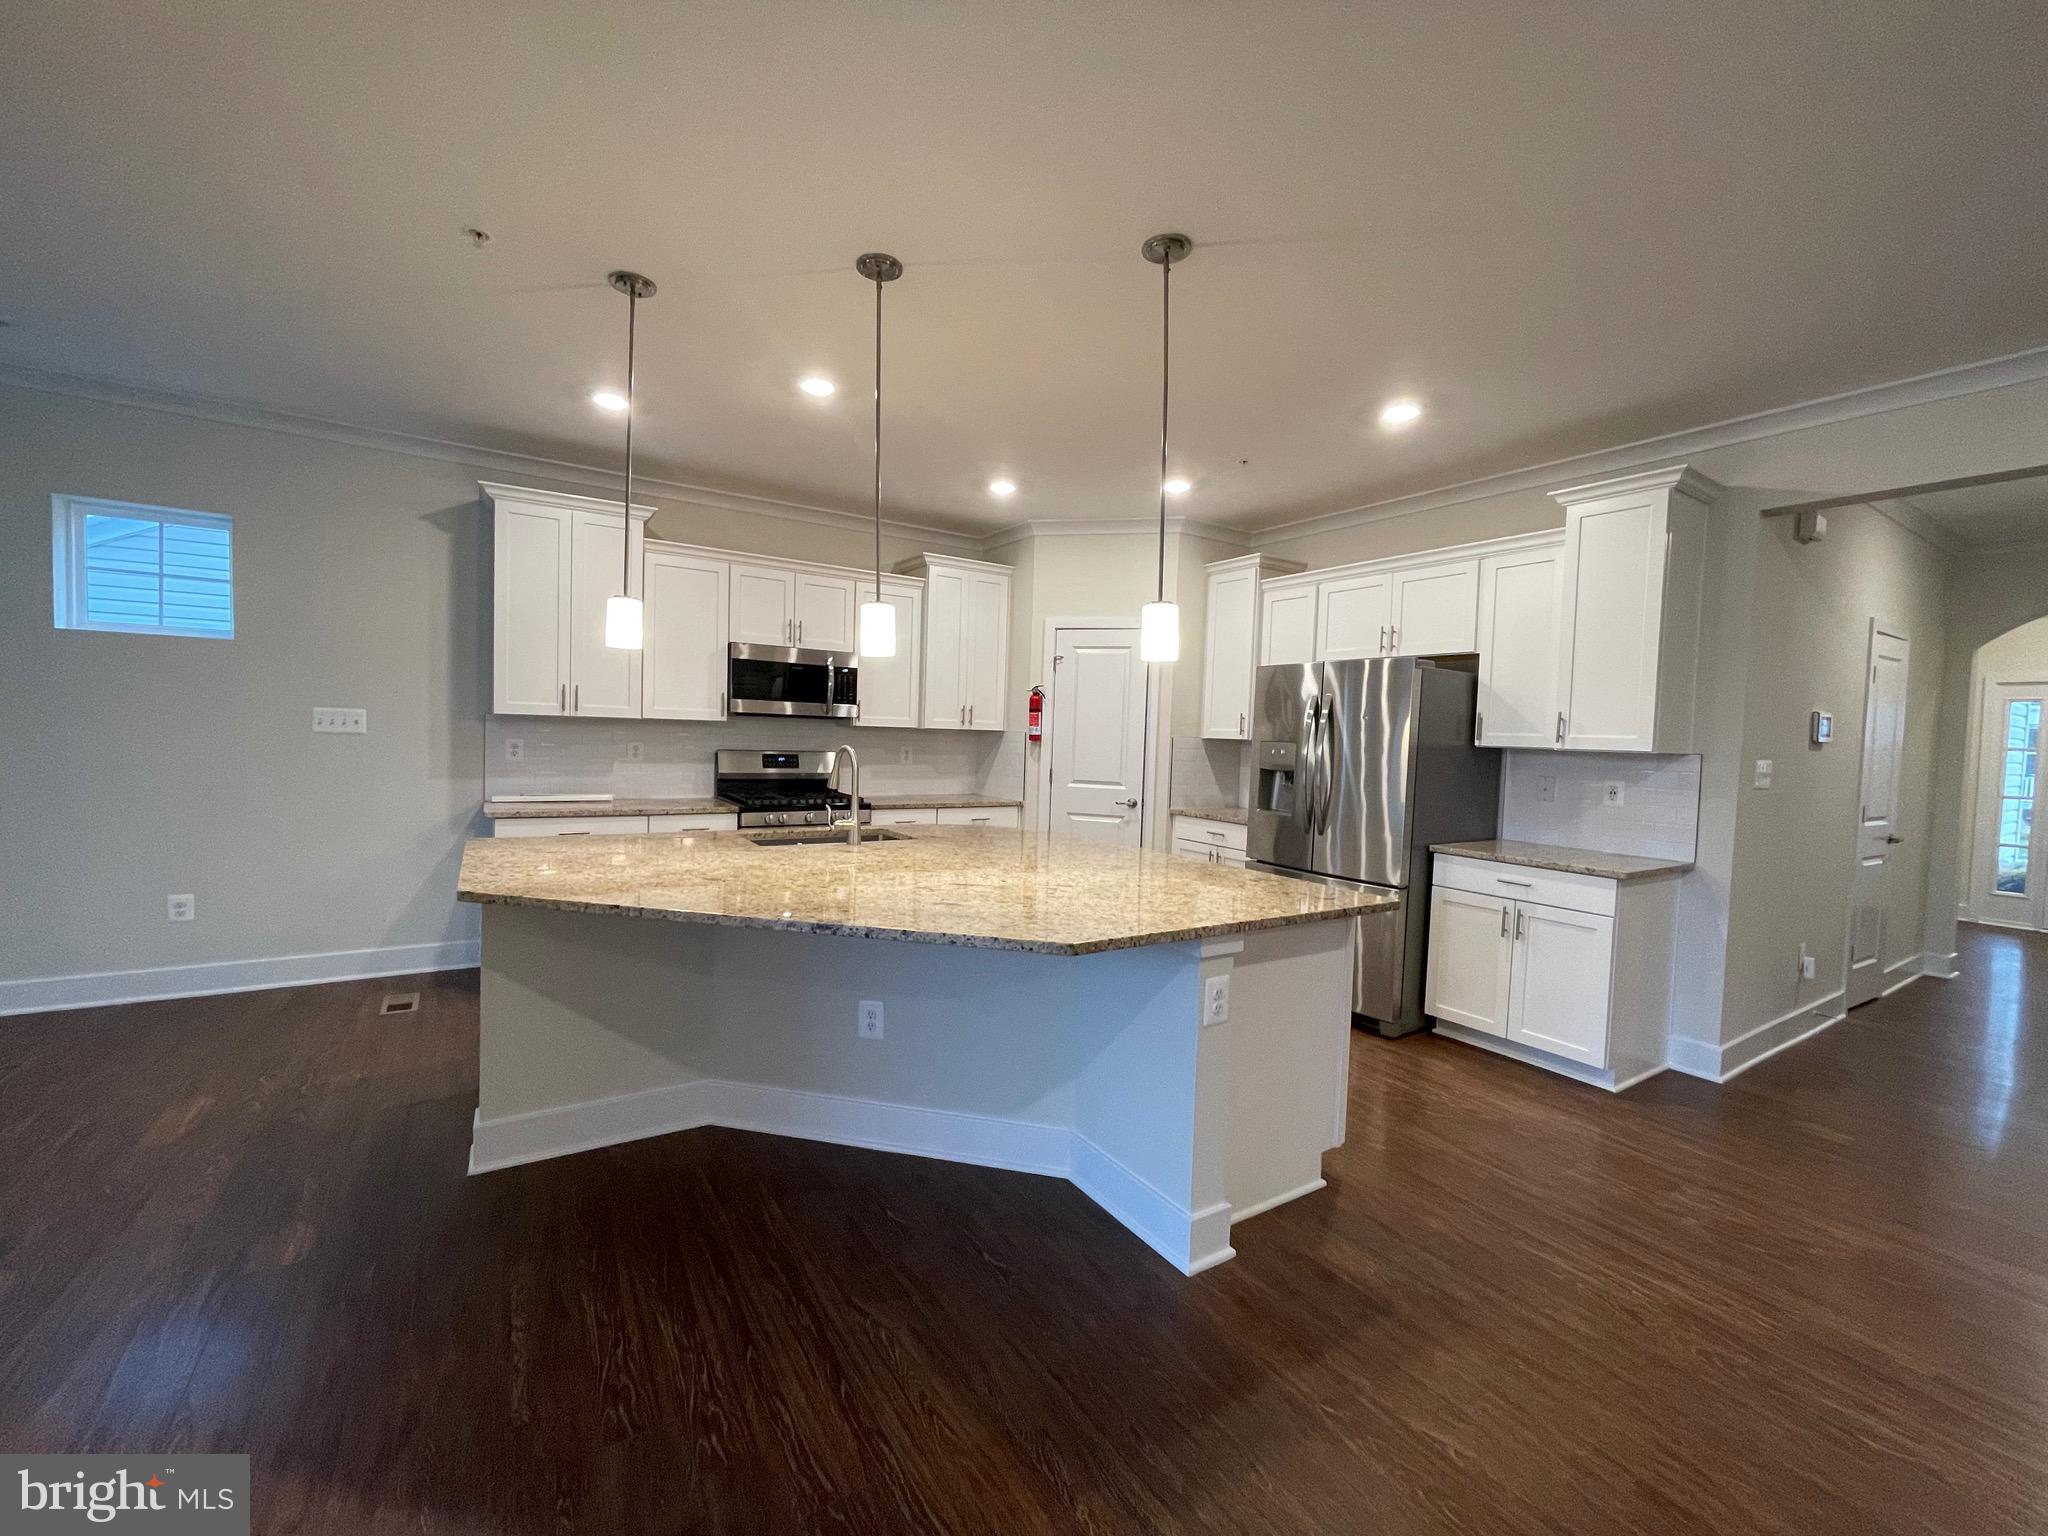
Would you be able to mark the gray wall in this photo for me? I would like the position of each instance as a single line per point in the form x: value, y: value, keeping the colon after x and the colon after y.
x: 139, y: 766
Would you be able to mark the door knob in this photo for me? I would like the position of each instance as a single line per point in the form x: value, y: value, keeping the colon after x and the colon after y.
x: 1128, y: 804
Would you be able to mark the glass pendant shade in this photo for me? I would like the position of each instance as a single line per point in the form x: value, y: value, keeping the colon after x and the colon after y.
x: 622, y: 623
x: 878, y: 629
x: 1159, y: 632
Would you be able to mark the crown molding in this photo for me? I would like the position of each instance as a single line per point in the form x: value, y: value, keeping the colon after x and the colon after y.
x: 2029, y: 367
x: 493, y: 491
x: 469, y: 455
x: 1682, y: 478
x: 1079, y: 527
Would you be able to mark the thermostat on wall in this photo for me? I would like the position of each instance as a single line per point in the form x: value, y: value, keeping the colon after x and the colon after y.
x: 1823, y: 727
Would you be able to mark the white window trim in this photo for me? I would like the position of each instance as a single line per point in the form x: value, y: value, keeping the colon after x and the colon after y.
x: 67, y: 555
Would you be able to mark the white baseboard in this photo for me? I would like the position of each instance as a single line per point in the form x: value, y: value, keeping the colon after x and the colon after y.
x: 1563, y: 1066
x: 1191, y: 1241
x: 1695, y: 1058
x: 101, y: 988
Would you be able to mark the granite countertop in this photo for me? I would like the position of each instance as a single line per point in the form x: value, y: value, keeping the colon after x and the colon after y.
x: 980, y: 887
x: 1236, y: 815
x: 628, y: 805
x: 705, y: 805
x: 939, y: 802
x: 1573, y: 861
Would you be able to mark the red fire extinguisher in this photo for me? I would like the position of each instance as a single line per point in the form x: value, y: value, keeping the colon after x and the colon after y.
x: 1034, y: 729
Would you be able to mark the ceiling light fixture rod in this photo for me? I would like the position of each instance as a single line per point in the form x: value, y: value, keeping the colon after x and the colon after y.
x: 1160, y: 631
x: 635, y: 288
x: 878, y: 269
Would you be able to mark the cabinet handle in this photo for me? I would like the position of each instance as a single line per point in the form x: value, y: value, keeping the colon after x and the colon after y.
x: 1518, y: 925
x: 1560, y: 728
x: 577, y: 707
x: 1479, y: 731
x: 1240, y: 725
x: 799, y: 631
x: 1504, y: 918
x: 1393, y: 637
x: 970, y: 714
x: 563, y: 709
x: 721, y: 703
x: 1383, y: 639
x: 981, y: 818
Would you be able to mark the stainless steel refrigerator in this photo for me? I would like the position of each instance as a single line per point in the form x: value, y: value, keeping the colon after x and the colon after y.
x: 1360, y: 766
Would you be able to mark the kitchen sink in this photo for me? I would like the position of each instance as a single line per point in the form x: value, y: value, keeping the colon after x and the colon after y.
x: 810, y: 835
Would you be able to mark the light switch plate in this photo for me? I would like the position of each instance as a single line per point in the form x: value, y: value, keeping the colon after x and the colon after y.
x: 1764, y: 769
x: 328, y: 720
x: 1546, y: 788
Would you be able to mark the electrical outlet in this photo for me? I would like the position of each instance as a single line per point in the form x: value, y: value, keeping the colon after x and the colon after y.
x: 1806, y: 966
x: 180, y: 909
x: 1546, y: 788
x: 871, y: 1021
x: 635, y: 751
x: 1216, y: 1000
x: 340, y: 722
x: 515, y: 750
x: 1764, y: 769
x: 1613, y: 793
x: 903, y: 755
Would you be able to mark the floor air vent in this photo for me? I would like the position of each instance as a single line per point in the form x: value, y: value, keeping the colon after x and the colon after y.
x: 400, y: 1002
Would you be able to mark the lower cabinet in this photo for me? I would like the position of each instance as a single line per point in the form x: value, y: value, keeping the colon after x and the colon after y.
x: 923, y: 816
x: 1570, y: 971
x: 980, y: 816
x: 612, y: 826
x: 1215, y: 842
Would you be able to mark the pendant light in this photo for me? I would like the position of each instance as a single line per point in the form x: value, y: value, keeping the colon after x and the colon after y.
x: 1159, y: 620
x: 877, y: 618
x: 624, y: 620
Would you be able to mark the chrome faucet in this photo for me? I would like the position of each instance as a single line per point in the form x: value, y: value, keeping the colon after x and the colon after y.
x: 852, y: 790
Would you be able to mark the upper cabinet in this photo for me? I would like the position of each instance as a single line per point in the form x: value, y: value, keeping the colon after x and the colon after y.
x: 1232, y: 648
x: 966, y: 641
x: 683, y: 668
x: 1518, y: 646
x: 1287, y: 624
x: 1634, y: 556
x: 825, y: 611
x: 1435, y: 610
x: 555, y: 559
x: 763, y: 604
x: 892, y: 687
x: 1353, y: 615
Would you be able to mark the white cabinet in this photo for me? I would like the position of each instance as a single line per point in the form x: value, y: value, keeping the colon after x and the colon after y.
x: 1213, y: 842
x: 555, y: 561
x: 1518, y: 647
x: 763, y: 604
x: 1287, y: 624
x: 1435, y: 610
x: 1629, y: 647
x: 683, y: 669
x: 1353, y: 615
x: 1008, y: 816
x: 966, y: 642
x: 1566, y: 971
x: 891, y: 687
x: 908, y: 816
x: 567, y: 826
x: 1231, y: 650
x: 825, y: 607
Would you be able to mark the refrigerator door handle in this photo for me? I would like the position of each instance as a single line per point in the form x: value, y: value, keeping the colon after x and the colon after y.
x: 1311, y: 790
x: 1326, y: 776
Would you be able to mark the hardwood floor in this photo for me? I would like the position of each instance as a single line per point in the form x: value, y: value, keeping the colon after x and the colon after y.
x: 1815, y: 1299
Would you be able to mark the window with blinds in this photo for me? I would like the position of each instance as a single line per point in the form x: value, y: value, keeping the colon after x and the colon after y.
x: 143, y: 570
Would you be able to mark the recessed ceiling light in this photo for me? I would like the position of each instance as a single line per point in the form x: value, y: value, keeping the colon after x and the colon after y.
x: 1176, y: 487
x: 1399, y: 413
x: 608, y: 400
x: 1002, y: 487
x: 816, y: 386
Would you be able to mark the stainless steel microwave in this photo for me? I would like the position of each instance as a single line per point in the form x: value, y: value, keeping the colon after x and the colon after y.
x: 789, y: 680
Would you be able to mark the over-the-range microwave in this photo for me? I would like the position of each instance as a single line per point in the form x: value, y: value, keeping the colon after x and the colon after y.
x: 790, y: 680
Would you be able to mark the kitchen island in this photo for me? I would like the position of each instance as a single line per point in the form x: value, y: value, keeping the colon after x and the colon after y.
x: 1172, y: 1036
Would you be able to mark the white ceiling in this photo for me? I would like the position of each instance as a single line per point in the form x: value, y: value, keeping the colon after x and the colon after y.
x: 1562, y: 229
x: 1988, y: 516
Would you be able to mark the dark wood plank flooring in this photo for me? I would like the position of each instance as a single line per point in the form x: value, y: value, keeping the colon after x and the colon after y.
x: 1813, y: 1300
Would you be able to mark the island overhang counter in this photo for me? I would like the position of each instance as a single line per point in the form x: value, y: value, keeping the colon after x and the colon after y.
x: 1170, y: 1035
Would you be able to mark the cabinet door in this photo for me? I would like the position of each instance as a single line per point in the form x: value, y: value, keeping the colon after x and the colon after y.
x: 1563, y: 982
x: 825, y: 611
x: 602, y: 681
x: 945, y: 618
x: 1287, y: 626
x: 1353, y: 614
x: 1518, y: 657
x: 1227, y: 661
x: 890, y: 685
x: 1436, y: 610
x: 981, y: 816
x: 683, y: 669
x: 1470, y: 947
x: 1613, y: 617
x: 985, y: 655
x: 763, y: 604
x: 529, y: 609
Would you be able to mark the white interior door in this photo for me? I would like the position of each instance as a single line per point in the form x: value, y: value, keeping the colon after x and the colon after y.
x: 1884, y: 740
x: 1352, y: 617
x: 2009, y: 865
x: 1469, y: 950
x: 1098, y: 735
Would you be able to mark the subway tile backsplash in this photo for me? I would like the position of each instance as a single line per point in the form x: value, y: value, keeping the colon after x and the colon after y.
x: 559, y: 756
x: 1204, y: 772
x: 1561, y: 797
